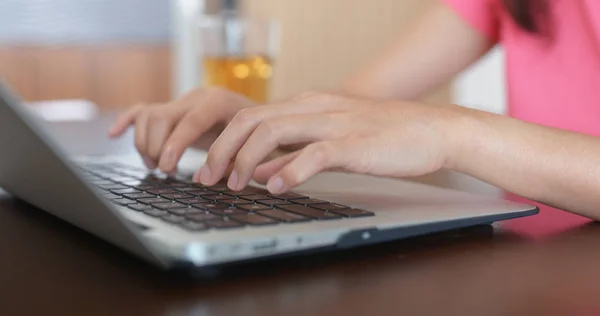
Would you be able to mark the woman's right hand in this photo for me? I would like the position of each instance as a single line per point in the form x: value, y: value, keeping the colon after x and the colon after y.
x: 164, y: 131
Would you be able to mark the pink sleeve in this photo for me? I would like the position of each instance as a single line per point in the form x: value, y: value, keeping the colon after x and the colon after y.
x: 483, y: 15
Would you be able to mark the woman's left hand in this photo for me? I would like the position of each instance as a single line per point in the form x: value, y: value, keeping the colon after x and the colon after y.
x: 382, y: 138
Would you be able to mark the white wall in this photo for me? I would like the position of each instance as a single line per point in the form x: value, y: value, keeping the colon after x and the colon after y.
x: 482, y: 86
x: 184, y: 41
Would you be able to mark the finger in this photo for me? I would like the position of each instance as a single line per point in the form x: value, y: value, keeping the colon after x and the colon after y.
x: 264, y: 172
x: 124, y: 121
x: 158, y: 132
x: 160, y: 126
x: 312, y: 160
x: 191, y: 127
x: 245, y: 122
x: 275, y: 132
x: 141, y: 125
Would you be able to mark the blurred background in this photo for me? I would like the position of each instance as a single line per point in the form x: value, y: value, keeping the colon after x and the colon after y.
x: 117, y: 53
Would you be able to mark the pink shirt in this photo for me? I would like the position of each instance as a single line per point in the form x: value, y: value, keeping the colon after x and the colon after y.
x: 553, y: 82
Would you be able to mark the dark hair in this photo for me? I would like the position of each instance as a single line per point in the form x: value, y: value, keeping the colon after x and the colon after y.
x: 527, y: 14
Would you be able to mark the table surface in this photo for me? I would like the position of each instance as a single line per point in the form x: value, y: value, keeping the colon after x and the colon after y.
x: 50, y: 267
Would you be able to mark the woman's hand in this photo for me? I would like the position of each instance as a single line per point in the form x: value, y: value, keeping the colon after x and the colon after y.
x: 164, y: 131
x: 340, y: 133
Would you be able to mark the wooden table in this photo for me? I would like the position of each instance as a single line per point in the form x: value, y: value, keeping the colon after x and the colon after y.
x: 49, y: 267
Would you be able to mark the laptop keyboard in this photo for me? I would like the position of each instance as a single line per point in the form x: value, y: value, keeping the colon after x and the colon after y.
x: 195, y: 207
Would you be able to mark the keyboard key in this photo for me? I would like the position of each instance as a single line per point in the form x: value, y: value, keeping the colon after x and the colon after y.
x: 254, y: 219
x: 247, y: 191
x: 255, y: 197
x: 124, y: 201
x: 202, y: 217
x: 185, y: 211
x: 309, y: 201
x: 216, y: 197
x: 309, y: 212
x: 253, y: 207
x: 228, y: 211
x: 175, y: 185
x: 139, y: 195
x: 210, y: 206
x: 218, y: 188
x: 156, y: 212
x: 353, y: 213
x: 168, y: 205
x: 111, y: 196
x: 200, y: 193
x: 288, y: 196
x: 236, y: 202
x: 330, y: 206
x: 125, y: 191
x: 283, y: 216
x: 231, y: 193
x: 172, y: 218
x: 112, y: 186
x: 139, y: 207
x: 273, y: 202
x: 155, y: 179
x: 154, y: 200
x: 192, y: 201
x: 161, y: 191
x: 193, y: 226
x: 175, y: 196
x: 224, y: 223
x: 144, y: 187
x: 161, y: 187
x: 188, y: 188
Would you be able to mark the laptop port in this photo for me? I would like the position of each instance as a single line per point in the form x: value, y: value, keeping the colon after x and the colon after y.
x: 265, y: 246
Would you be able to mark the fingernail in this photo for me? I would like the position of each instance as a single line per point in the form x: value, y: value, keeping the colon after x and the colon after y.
x: 204, y: 174
x: 150, y: 164
x: 196, y: 177
x: 168, y: 158
x: 275, y: 185
x: 113, y: 130
x: 233, y: 180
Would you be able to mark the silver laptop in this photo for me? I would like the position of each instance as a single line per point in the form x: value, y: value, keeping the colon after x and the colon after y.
x: 175, y: 223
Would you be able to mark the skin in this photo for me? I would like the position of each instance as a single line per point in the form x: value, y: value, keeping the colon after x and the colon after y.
x: 365, y: 128
x: 164, y: 131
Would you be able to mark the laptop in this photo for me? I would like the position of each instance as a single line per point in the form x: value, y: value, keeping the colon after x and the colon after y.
x: 174, y: 223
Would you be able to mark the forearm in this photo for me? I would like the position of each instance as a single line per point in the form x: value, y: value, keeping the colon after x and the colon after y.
x: 552, y: 166
x: 437, y: 46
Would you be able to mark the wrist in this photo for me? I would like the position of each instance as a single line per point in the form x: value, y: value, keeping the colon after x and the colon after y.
x: 462, y: 129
